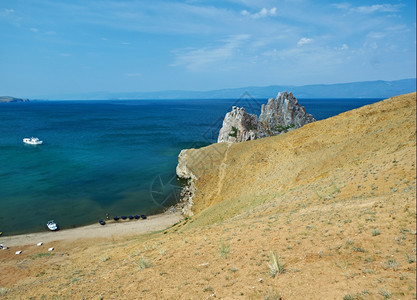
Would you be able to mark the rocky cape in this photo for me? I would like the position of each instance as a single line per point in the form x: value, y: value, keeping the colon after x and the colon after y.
x: 279, y: 115
x: 8, y: 99
x: 196, y: 165
x: 333, y: 202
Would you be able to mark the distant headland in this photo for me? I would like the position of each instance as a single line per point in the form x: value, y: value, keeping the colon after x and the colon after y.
x: 7, y: 99
x: 363, y: 89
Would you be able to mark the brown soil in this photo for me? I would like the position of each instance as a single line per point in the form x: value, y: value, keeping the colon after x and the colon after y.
x: 335, y: 200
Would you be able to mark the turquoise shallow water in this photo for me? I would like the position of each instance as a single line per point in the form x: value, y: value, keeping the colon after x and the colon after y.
x: 106, y: 156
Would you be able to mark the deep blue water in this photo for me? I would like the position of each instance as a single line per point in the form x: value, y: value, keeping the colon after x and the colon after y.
x: 107, y: 156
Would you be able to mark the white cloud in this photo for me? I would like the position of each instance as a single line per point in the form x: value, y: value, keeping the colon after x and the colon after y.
x: 343, y: 47
x: 368, y: 9
x: 264, y: 12
x: 345, y: 6
x: 377, y: 8
x: 376, y: 35
x: 196, y: 58
x: 34, y: 29
x: 9, y: 15
x: 304, y: 41
x: 6, y: 12
x: 135, y: 74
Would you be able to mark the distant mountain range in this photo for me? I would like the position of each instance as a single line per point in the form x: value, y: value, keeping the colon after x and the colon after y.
x: 364, y: 89
x: 6, y: 99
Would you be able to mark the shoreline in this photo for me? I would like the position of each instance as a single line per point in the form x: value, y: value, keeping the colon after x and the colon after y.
x: 118, y: 228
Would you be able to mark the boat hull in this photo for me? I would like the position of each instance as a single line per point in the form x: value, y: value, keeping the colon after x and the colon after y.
x: 32, y: 141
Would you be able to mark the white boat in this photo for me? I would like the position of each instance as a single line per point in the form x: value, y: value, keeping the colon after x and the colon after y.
x: 32, y: 141
x: 52, y: 225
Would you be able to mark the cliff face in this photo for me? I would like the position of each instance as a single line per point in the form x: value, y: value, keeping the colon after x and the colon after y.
x: 187, y: 192
x: 279, y: 115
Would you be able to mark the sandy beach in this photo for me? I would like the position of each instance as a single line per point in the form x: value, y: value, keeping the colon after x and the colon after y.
x: 111, y: 229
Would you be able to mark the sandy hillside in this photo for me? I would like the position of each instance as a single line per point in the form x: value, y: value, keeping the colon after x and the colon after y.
x: 334, y: 202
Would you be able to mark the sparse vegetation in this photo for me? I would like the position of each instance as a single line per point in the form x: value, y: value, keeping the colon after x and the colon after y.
x: 411, y: 258
x: 104, y: 258
x: 3, y: 291
x: 375, y: 232
x: 386, y: 294
x: 356, y: 296
x: 144, y: 263
x: 390, y: 263
x: 358, y: 249
x: 281, y: 128
x: 275, y: 267
x: 40, y: 255
x: 224, y: 249
x: 272, y: 295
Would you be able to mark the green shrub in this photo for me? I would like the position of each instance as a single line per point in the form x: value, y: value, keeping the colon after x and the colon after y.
x: 234, y: 131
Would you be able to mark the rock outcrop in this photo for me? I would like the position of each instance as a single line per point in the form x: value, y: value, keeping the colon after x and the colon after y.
x: 238, y: 126
x: 279, y: 115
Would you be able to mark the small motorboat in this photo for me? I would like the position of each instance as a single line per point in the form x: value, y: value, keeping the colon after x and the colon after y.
x: 101, y: 221
x: 124, y: 217
x: 32, y: 141
x: 130, y: 217
x: 116, y: 218
x: 137, y: 217
x: 52, y: 225
x: 143, y: 217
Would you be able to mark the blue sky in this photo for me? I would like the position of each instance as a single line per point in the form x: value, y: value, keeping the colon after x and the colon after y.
x: 52, y: 47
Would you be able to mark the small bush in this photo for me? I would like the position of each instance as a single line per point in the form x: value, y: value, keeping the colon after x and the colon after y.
x: 391, y: 263
x: 105, y: 258
x: 272, y: 295
x: 275, y: 267
x: 143, y: 263
x: 358, y: 249
x: 224, y: 249
x: 385, y: 294
x: 3, y: 291
x: 375, y: 232
x: 411, y: 259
